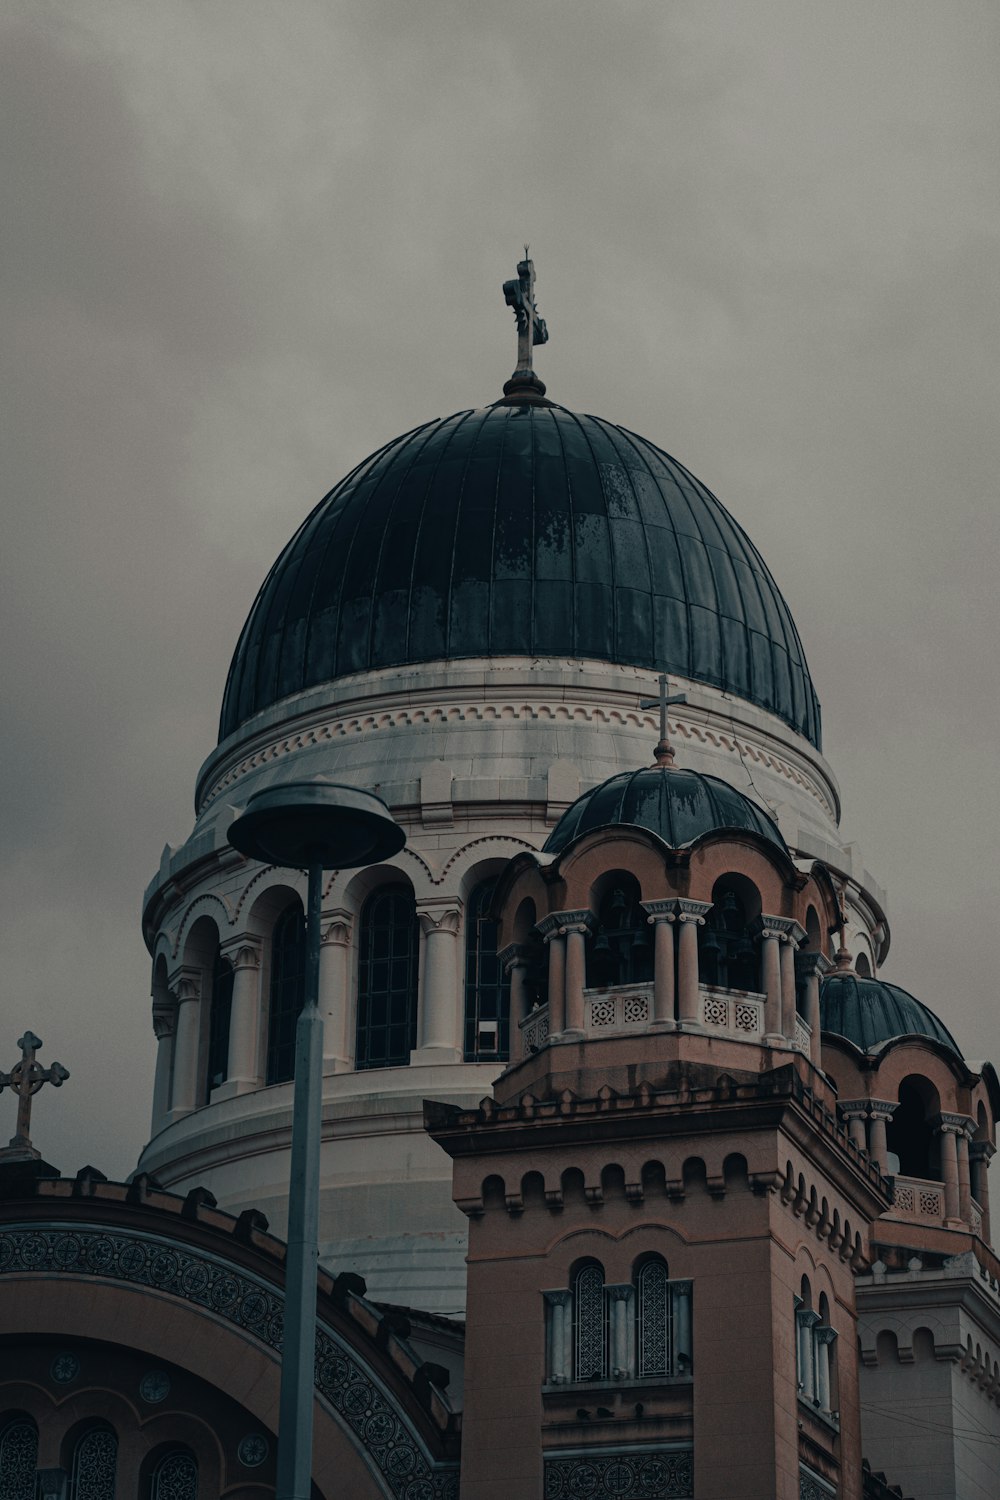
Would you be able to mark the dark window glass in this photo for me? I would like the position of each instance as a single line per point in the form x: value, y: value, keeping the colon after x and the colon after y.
x: 387, y: 978
x: 288, y: 989
x: 487, y: 988
x: 621, y: 951
x: 729, y: 952
x: 218, y: 1024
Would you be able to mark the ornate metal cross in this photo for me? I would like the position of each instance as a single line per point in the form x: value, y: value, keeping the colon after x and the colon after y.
x: 520, y: 295
x: 25, y: 1079
x: 664, y: 750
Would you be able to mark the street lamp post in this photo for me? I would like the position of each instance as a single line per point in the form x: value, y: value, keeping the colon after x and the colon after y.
x: 313, y: 825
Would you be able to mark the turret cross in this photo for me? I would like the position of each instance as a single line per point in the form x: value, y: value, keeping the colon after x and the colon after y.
x: 25, y: 1079
x: 664, y: 750
x: 520, y: 295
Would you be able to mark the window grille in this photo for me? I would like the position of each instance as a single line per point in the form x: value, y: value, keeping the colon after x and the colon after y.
x: 175, y: 1477
x: 654, y: 1312
x: 218, y: 1023
x: 387, y: 979
x: 590, y: 1340
x: 288, y: 992
x: 487, y: 988
x: 95, y: 1464
x: 18, y: 1459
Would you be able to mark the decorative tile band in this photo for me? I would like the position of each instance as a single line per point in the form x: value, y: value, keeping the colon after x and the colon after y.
x: 352, y: 1390
x: 645, y: 1474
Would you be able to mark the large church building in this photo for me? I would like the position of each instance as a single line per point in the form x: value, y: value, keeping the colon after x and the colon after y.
x: 637, y: 1179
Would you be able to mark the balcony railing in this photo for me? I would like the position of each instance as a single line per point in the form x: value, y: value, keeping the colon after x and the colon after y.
x: 738, y: 1012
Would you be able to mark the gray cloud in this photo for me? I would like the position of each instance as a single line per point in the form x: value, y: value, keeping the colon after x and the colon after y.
x: 245, y: 244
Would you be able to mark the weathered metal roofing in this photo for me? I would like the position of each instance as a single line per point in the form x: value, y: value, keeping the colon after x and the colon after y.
x: 869, y: 1012
x: 521, y: 529
x: 678, y: 806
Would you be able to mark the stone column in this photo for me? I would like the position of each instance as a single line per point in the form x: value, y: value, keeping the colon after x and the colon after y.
x: 555, y: 941
x: 878, y: 1148
x: 792, y: 935
x: 575, y: 933
x: 691, y: 916
x: 805, y: 1322
x: 185, y: 985
x: 336, y: 994
x: 514, y: 959
x: 824, y: 1342
x: 948, y: 1130
x: 438, y: 1026
x: 682, y: 1355
x: 164, y: 1025
x: 560, y: 1329
x: 980, y: 1153
x: 811, y: 967
x: 855, y: 1112
x: 770, y: 929
x: 622, y: 1331
x: 244, y: 1017
x: 661, y: 915
x: 966, y: 1130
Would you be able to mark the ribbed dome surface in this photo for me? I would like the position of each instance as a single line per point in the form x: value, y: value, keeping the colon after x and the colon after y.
x: 679, y: 806
x: 521, y: 530
x: 869, y: 1012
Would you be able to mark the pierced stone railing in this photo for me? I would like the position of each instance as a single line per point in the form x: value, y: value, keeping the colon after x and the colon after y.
x: 534, y: 1029
x: 803, y: 1033
x: 919, y: 1200
x: 627, y: 1008
x: 737, y: 1012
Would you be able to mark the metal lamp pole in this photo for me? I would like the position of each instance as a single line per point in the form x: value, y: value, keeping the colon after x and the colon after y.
x: 316, y: 825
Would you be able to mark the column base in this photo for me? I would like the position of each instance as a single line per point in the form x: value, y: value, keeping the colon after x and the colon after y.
x: 956, y: 1224
x: 332, y: 1065
x: 666, y: 1024
x: 231, y: 1088
x: 429, y: 1057
x: 573, y: 1034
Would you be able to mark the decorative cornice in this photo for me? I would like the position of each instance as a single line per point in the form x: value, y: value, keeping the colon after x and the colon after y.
x: 243, y: 952
x: 661, y: 911
x: 437, y: 920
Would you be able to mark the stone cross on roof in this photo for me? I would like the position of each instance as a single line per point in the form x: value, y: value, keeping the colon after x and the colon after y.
x: 25, y: 1079
x: 531, y: 329
x: 664, y: 752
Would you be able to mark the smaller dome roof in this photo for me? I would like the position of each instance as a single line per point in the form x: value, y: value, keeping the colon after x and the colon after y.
x: 869, y: 1012
x: 678, y: 806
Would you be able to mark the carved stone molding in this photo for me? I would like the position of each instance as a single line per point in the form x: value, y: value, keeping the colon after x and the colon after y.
x: 164, y: 1022
x: 654, y: 1471
x: 243, y: 952
x: 436, y: 920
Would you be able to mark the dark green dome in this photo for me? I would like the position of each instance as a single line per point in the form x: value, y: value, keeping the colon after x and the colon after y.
x: 521, y: 529
x: 678, y: 806
x: 869, y: 1012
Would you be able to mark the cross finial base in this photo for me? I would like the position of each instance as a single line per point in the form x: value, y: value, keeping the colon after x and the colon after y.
x: 524, y: 385
x: 663, y: 755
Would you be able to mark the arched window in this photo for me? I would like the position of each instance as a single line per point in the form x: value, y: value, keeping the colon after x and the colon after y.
x: 175, y: 1477
x: 910, y: 1135
x: 590, y: 1343
x: 288, y: 991
x: 387, y: 978
x: 621, y: 951
x: 487, y: 988
x: 217, y: 1068
x: 662, y: 1321
x: 729, y: 951
x: 18, y: 1458
x: 94, y: 1464
x: 862, y: 967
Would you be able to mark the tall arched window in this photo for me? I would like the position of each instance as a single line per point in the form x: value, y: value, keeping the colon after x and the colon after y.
x: 910, y: 1135
x: 653, y: 1313
x: 18, y: 1458
x: 590, y: 1343
x: 387, y: 978
x: 175, y: 1477
x: 487, y: 988
x: 288, y: 989
x: 94, y: 1464
x: 217, y: 1068
x: 622, y: 950
x: 729, y: 952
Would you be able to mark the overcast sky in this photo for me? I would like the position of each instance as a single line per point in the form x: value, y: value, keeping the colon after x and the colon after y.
x: 244, y: 244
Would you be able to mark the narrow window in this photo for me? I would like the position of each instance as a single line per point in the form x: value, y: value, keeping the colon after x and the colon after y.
x: 175, y: 1477
x: 18, y: 1459
x: 487, y: 988
x: 729, y: 952
x: 288, y: 989
x: 653, y: 1311
x: 95, y: 1463
x: 387, y: 979
x: 589, y: 1331
x: 622, y: 950
x: 218, y: 1023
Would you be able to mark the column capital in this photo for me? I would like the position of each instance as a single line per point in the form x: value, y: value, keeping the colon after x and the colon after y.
x: 883, y: 1109
x: 949, y: 1124
x: 692, y: 911
x: 560, y: 1298
x: 854, y: 1109
x: 185, y: 983
x: 623, y: 1292
x: 807, y: 964
x: 439, y: 919
x: 807, y: 1316
x: 558, y: 923
x: 335, y: 927
x: 982, y: 1150
x: 661, y: 911
x: 824, y: 1334
x: 243, y: 952
x: 514, y: 956
x: 785, y: 929
x: 164, y: 1021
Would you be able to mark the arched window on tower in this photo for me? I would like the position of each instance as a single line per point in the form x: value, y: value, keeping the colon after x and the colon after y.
x: 175, y: 1476
x: 590, y: 1332
x: 288, y: 990
x: 18, y: 1457
x: 387, y: 978
x: 94, y: 1463
x: 911, y: 1138
x: 217, y: 1068
x: 487, y: 988
x: 621, y: 951
x: 729, y: 951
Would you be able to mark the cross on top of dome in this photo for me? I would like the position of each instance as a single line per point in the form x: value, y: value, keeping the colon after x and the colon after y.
x: 664, y: 752
x: 531, y: 329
